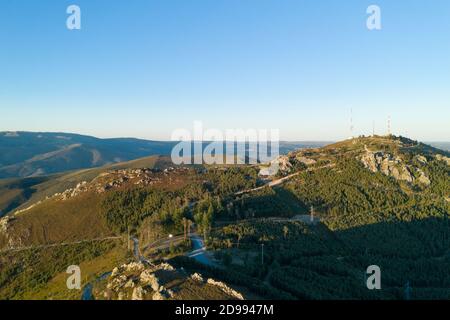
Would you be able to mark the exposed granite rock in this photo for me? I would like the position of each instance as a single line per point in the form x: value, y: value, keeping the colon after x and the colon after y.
x: 4, y: 222
x: 134, y: 266
x: 197, y: 277
x: 388, y: 165
x: 226, y: 289
x: 160, y: 295
x: 422, y: 159
x: 281, y: 163
x: 117, y: 283
x: 115, y: 272
x: 423, y: 179
x: 149, y: 278
x: 138, y: 293
x: 130, y: 284
x: 143, y: 281
x: 305, y: 160
x: 440, y: 157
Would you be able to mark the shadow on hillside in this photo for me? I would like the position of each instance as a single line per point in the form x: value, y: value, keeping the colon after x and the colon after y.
x: 25, y: 189
x: 413, y: 256
x: 425, y: 238
x: 276, y: 203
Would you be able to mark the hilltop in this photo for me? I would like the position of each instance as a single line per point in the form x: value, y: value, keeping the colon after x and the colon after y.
x: 17, y: 193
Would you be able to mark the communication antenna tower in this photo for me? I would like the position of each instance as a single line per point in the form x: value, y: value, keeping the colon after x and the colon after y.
x: 351, y: 123
x: 389, y: 125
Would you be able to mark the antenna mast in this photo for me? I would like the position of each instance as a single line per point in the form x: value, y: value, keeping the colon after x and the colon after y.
x: 389, y: 125
x: 351, y: 123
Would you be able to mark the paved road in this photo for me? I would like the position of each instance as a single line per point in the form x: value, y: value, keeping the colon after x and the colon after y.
x: 199, y: 252
x: 164, y: 243
x: 280, y: 181
x: 60, y: 244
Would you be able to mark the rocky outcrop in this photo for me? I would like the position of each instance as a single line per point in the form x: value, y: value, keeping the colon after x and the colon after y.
x: 226, y: 289
x: 161, y: 295
x: 281, y: 163
x: 423, y: 179
x: 440, y: 157
x: 134, y: 267
x: 422, y: 159
x: 4, y: 223
x: 387, y: 164
x: 149, y: 278
x: 144, y: 281
x: 138, y: 281
x: 138, y: 294
x: 110, y: 180
x: 395, y: 167
x: 305, y: 160
x: 197, y: 277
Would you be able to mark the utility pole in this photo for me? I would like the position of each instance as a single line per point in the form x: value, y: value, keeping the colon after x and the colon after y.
x: 389, y: 125
x: 189, y: 228
x: 407, y: 291
x: 128, y: 238
x: 373, y: 129
x: 312, y: 214
x: 262, y: 253
x: 351, y: 123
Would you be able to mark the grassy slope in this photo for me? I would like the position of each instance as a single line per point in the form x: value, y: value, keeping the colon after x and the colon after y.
x: 21, y: 193
x: 61, y: 221
x: 40, y: 273
x: 56, y: 288
x: 329, y: 189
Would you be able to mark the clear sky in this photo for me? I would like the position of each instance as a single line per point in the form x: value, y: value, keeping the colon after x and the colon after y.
x: 144, y: 68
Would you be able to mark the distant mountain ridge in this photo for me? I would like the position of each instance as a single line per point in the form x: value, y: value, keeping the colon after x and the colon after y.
x: 31, y: 154
x: 27, y: 154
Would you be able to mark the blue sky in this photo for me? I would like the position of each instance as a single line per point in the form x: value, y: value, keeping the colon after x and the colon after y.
x: 144, y: 68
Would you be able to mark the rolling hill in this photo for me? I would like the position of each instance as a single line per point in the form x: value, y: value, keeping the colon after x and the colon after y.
x: 30, y: 154
x: 17, y: 193
x: 376, y: 200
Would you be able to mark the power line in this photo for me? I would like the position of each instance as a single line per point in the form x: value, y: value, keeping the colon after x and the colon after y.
x: 351, y: 123
x: 389, y: 125
x: 43, y: 246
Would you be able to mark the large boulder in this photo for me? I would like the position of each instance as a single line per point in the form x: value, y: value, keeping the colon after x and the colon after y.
x: 147, y: 277
x: 423, y: 179
x: 134, y: 267
x: 387, y: 164
x: 161, y: 295
x: 305, y: 160
x: 226, y: 289
x: 138, y: 293
x: 116, y: 283
x: 115, y: 272
x: 197, y: 277
x: 440, y: 157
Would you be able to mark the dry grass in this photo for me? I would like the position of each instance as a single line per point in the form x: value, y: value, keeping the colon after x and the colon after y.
x: 56, y: 221
x: 56, y: 288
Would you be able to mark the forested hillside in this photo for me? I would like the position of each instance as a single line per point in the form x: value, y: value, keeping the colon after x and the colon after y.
x: 309, y: 232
